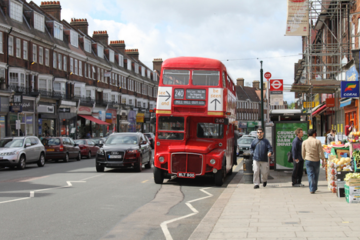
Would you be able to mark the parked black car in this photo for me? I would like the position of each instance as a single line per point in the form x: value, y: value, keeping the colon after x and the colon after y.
x: 151, y: 138
x: 122, y: 150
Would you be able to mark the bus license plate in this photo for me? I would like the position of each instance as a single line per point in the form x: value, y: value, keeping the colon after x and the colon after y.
x: 186, y: 175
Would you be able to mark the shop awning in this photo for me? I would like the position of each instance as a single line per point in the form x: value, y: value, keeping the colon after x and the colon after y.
x: 345, y: 102
x: 319, y: 110
x: 95, y: 120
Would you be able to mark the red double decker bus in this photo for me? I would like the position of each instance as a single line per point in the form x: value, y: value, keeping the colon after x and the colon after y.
x: 194, y: 120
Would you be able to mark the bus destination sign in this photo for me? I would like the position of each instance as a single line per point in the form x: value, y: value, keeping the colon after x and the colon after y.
x: 221, y: 120
x: 195, y: 94
x: 184, y: 102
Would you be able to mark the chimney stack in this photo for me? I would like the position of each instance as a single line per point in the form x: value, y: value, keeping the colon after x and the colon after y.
x: 157, y: 63
x: 80, y: 24
x: 240, y: 82
x: 256, y: 85
x: 52, y: 8
x: 133, y: 53
x: 101, y: 36
x: 118, y: 45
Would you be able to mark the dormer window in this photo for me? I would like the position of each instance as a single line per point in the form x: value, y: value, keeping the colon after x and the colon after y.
x: 148, y: 74
x: 87, y: 45
x: 58, y: 31
x: 136, y: 68
x: 74, y: 38
x: 39, y: 22
x: 100, y: 51
x: 129, y: 64
x: 121, y: 60
x: 16, y: 11
x: 111, y: 56
x: 142, y: 71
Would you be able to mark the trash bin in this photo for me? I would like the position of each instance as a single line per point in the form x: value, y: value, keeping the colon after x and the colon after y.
x: 248, y: 168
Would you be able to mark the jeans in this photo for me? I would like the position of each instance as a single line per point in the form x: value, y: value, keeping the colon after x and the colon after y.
x: 297, y: 172
x: 313, y: 170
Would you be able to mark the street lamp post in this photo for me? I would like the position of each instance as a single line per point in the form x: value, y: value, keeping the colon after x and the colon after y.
x: 262, y: 96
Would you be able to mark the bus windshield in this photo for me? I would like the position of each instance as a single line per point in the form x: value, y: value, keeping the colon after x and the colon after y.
x: 176, y: 77
x: 205, y: 78
x: 210, y: 130
x: 173, y: 126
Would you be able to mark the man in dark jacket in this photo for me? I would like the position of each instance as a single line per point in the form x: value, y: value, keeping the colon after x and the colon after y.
x: 236, y: 137
x: 298, y: 161
x: 261, y: 151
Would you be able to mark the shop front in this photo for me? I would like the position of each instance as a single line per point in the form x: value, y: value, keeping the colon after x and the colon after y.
x: 67, y: 119
x: 251, y: 126
x: 98, y: 130
x: 84, y: 125
x: 47, y: 120
x: 352, y: 113
x: 4, y: 110
x: 123, y: 121
x: 140, y: 122
x: 147, y: 127
x: 111, y: 117
x: 26, y: 117
x: 242, y: 126
x: 132, y: 121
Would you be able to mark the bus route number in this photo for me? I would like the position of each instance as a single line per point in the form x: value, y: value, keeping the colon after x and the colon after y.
x: 222, y: 120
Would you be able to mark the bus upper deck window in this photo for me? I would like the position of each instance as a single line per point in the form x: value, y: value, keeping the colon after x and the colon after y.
x: 176, y: 77
x: 205, y: 78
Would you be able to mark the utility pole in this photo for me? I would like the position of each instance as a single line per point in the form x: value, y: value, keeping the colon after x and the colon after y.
x: 262, y: 96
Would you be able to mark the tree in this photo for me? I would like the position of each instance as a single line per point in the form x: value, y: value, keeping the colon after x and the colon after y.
x: 292, y: 105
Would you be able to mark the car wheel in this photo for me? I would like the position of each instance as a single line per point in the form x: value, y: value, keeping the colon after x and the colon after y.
x: 158, y: 176
x: 100, y: 168
x: 66, y: 158
x: 89, y: 155
x: 41, y: 161
x: 138, y: 166
x: 22, y: 163
x: 148, y: 165
x: 79, y: 156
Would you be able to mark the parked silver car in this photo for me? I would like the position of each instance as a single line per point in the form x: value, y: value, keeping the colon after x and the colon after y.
x: 244, y: 145
x: 19, y: 151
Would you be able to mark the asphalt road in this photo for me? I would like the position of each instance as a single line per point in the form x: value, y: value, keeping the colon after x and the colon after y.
x: 72, y: 201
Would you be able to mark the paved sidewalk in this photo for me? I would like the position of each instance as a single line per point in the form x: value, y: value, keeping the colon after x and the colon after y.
x: 279, y: 211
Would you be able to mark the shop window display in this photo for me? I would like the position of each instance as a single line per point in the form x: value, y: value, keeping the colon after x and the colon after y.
x: 27, y: 124
x: 46, y: 127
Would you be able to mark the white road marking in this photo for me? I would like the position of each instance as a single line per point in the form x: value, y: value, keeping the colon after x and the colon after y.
x: 144, y: 181
x: 31, y: 179
x: 163, y: 225
x: 32, y: 193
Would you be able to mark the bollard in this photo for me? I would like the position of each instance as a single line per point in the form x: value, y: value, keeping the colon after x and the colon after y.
x: 248, y: 168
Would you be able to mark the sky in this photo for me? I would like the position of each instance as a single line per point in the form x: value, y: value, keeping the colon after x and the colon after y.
x: 240, y: 33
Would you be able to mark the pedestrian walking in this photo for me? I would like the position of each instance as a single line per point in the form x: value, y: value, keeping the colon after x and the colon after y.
x: 236, y: 137
x: 311, y: 152
x: 331, y: 137
x: 261, y: 150
x: 298, y: 160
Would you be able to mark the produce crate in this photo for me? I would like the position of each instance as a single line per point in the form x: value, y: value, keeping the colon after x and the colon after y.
x: 355, y: 167
x: 353, y: 182
x: 341, y: 175
x: 352, y: 190
x: 352, y: 198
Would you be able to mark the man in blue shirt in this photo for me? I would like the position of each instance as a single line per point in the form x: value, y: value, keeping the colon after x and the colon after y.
x: 261, y: 151
x: 298, y: 161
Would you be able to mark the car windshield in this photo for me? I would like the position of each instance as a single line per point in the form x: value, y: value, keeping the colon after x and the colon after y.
x: 11, y: 143
x: 80, y: 142
x: 51, y: 141
x: 96, y: 140
x: 245, y: 140
x: 121, y: 139
x: 148, y: 135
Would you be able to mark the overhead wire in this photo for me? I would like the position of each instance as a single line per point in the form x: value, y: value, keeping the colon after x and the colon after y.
x: 260, y: 58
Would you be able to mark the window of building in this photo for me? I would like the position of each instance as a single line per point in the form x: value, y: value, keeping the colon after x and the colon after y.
x: 47, y: 57
x: 18, y: 42
x: 102, y: 75
x: 54, y: 60
x: 41, y: 55
x: 113, y: 97
x: 136, y: 68
x: 59, y: 61
x: 150, y: 91
x: 1, y: 42
x: 111, y: 55
x: 16, y: 11
x: 34, y: 53
x: 72, y: 65
x: 39, y: 22
x: 100, y: 51
x: 98, y: 74
x: 25, y: 50
x: 80, y: 68
x: 85, y: 69
x: 74, y: 38
x: 130, y: 101
x: 88, y: 93
x: 106, y: 97
x: 148, y: 74
x: 142, y: 71
x: 155, y: 76
x: 65, y: 63
x: 77, y: 91
x: 89, y: 71
x: 58, y: 31
x: 87, y: 45
x: 76, y: 67
x: 144, y: 89
x: 45, y: 85
x: 11, y: 46
x: 129, y: 64
x: 121, y: 60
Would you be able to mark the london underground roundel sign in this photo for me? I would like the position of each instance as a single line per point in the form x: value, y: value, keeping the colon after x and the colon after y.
x: 276, y: 85
x: 267, y: 75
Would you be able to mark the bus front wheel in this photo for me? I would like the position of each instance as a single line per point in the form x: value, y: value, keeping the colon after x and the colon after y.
x: 220, y: 176
x: 158, y: 175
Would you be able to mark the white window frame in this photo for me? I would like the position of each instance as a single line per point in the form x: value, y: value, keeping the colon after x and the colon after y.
x: 47, y: 55
x: 129, y: 64
x: 148, y: 74
x: 100, y: 51
x: 72, y: 65
x: 111, y: 56
x: 39, y: 22
x: 18, y: 48
x: 136, y: 68
x: 58, y: 31
x: 65, y: 63
x: 121, y: 60
x: 59, y: 61
x: 34, y: 58
x: 142, y: 71
x: 80, y: 68
x: 74, y: 38
x: 87, y: 45
x: 76, y: 67
x: 11, y: 46
x: 41, y: 55
x: 16, y: 11
x: 1, y: 43
x: 54, y: 60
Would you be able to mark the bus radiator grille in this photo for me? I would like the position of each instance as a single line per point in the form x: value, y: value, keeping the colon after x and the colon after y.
x: 186, y: 163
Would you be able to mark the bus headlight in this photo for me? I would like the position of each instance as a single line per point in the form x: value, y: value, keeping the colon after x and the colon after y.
x: 161, y: 159
x: 212, y: 161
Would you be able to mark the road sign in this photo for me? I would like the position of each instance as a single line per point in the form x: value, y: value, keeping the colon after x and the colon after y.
x: 309, y: 104
x: 267, y: 75
x: 276, y: 85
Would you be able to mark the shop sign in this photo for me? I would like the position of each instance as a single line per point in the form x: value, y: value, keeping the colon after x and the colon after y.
x: 242, y: 125
x: 147, y: 117
x: 349, y: 89
x: 330, y: 102
x: 4, y: 104
x: 2, y: 122
x: 251, y: 124
x: 29, y: 120
x: 84, y: 110
x: 352, y: 74
x: 68, y: 103
x: 140, y: 117
x: 46, y: 109
x: 28, y: 106
x: 64, y: 110
x: 108, y: 115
